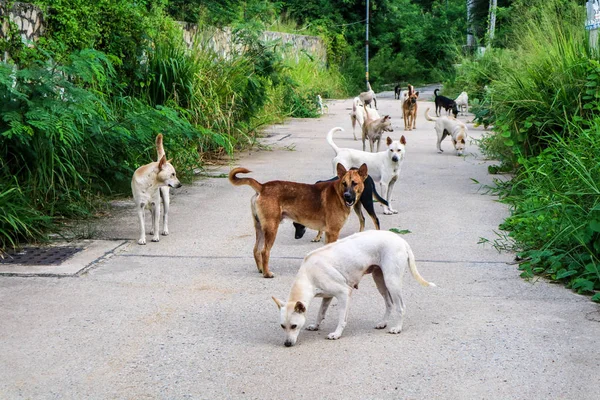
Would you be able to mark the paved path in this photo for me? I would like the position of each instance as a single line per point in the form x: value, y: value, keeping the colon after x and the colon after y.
x: 190, y: 317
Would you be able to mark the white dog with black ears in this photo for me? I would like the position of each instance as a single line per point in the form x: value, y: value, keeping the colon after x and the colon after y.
x: 335, y: 271
x: 384, y: 166
x: 449, y: 126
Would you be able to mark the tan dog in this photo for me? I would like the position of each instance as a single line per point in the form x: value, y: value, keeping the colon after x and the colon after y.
x: 409, y: 109
x: 368, y: 97
x: 448, y: 126
x: 372, y: 130
x: 149, y: 184
x: 323, y: 206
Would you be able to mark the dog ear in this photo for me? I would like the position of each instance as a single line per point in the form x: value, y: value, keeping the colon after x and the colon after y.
x: 162, y: 162
x: 417, y: 94
x: 363, y: 171
x: 341, y: 170
x: 388, y: 141
x: 462, y: 141
x: 278, y: 302
x: 299, y: 308
x: 403, y: 140
x: 386, y: 117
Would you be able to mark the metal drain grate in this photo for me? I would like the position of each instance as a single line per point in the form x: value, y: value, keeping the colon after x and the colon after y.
x: 39, y: 255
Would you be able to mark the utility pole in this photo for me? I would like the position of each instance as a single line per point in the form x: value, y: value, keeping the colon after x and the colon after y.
x: 367, y: 45
x: 470, y: 24
x: 492, y: 25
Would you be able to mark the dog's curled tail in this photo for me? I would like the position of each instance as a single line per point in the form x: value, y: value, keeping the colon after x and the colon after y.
x: 244, y: 181
x: 330, y: 139
x: 428, y: 117
x: 160, y: 150
x: 435, y: 92
x: 415, y: 272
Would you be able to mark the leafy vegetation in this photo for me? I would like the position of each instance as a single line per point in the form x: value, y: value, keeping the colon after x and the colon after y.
x: 541, y: 97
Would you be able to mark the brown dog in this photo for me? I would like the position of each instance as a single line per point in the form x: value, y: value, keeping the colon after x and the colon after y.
x: 409, y: 109
x: 322, y: 206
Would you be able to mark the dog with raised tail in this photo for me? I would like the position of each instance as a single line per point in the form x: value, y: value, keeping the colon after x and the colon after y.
x: 335, y: 271
x: 150, y: 183
x: 368, y: 97
x: 384, y: 166
x: 448, y: 126
x: 322, y: 206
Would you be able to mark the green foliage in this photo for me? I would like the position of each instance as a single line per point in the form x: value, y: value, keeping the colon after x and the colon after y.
x: 542, y: 99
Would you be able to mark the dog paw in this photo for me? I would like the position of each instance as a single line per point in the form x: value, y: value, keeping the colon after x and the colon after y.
x: 315, y: 240
x: 165, y: 233
x: 333, y: 336
x: 395, y: 330
x: 156, y: 239
x: 268, y: 275
x: 387, y: 212
x: 394, y: 211
x: 312, y: 327
x: 142, y: 241
x: 381, y: 325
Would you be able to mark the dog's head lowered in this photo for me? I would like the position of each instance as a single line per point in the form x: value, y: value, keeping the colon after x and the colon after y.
x: 166, y: 174
x: 396, y: 149
x: 351, y: 183
x: 292, y: 319
x: 460, y: 141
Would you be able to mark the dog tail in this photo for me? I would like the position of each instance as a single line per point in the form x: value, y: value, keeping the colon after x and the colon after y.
x: 428, y: 117
x: 377, y: 196
x: 160, y: 150
x: 330, y: 139
x: 413, y: 269
x: 244, y: 181
x: 435, y: 92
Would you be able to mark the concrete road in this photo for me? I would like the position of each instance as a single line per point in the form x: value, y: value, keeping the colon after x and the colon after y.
x: 190, y: 317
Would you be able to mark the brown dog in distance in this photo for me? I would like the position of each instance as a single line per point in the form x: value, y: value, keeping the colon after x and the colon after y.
x: 409, y: 109
x: 322, y: 206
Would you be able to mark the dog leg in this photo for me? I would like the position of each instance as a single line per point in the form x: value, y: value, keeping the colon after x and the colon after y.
x: 259, y: 244
x: 380, y: 282
x: 321, y: 316
x: 343, y: 303
x: 318, y: 237
x: 269, y: 232
x: 353, y: 119
x: 140, y: 210
x: 384, y: 190
x: 390, y: 189
x: 164, y: 194
x: 155, y: 217
x: 331, y: 237
x: 361, y: 217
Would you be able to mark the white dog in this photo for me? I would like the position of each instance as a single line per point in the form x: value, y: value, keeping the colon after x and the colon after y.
x: 336, y: 269
x: 322, y: 106
x: 357, y: 115
x: 150, y: 182
x: 448, y: 126
x: 462, y: 102
x: 384, y: 167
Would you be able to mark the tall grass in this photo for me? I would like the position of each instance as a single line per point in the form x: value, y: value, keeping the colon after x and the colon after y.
x: 544, y: 99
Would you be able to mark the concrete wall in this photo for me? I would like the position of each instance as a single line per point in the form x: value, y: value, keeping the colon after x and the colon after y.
x: 222, y: 42
x: 28, y: 18
x: 30, y: 22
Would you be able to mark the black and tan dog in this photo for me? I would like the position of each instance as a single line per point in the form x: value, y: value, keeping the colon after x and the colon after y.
x: 445, y: 103
x: 366, y: 201
x: 321, y: 206
x: 409, y: 109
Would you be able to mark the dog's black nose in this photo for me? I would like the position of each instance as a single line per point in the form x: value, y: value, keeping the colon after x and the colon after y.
x: 395, y: 158
x: 288, y: 344
x: 348, y: 196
